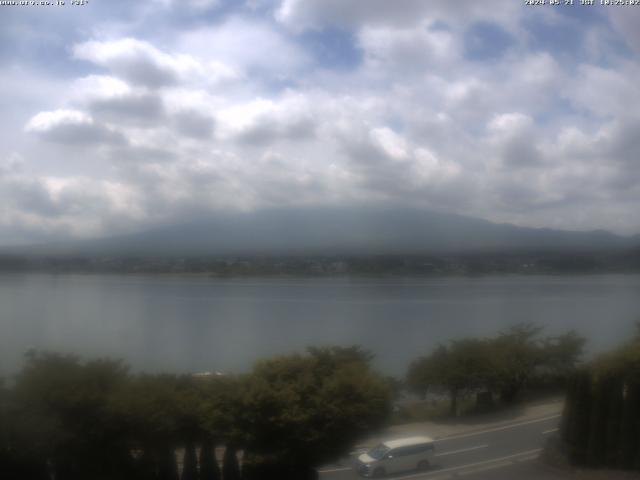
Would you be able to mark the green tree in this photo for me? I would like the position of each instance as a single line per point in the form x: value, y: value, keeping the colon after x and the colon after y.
x: 152, y: 407
x: 299, y: 411
x: 623, y: 367
x: 600, y: 424
x: 219, y: 407
x: 461, y: 367
x: 504, y: 364
x: 630, y: 429
x: 576, y: 417
x: 421, y: 376
x: 561, y: 354
x: 64, y: 416
x: 516, y: 353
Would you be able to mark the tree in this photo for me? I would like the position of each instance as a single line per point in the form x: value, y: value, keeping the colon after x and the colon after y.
x: 303, y: 410
x: 6, y: 454
x: 516, y: 353
x: 65, y: 419
x: 230, y: 466
x: 17, y: 460
x: 153, y: 409
x: 421, y: 376
x: 459, y: 368
x: 576, y: 416
x: 332, y: 357
x: 561, y: 354
x: 600, y: 424
x: 209, y: 469
x: 630, y: 429
x: 190, y: 463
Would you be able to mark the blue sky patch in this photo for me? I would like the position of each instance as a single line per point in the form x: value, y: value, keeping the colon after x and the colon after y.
x: 485, y: 41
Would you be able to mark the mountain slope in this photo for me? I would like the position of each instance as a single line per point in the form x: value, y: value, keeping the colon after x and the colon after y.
x: 341, y: 231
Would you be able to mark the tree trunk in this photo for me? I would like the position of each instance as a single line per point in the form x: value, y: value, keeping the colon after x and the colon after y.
x: 167, y: 468
x: 596, y: 451
x: 190, y: 463
x: 209, y: 469
x: 454, y: 402
x: 230, y: 466
x: 614, y: 420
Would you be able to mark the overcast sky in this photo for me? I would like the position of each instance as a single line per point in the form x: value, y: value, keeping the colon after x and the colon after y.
x: 120, y: 115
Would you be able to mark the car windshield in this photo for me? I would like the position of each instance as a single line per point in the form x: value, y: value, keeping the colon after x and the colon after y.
x: 378, y: 452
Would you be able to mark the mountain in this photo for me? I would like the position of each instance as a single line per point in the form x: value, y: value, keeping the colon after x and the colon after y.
x: 341, y: 231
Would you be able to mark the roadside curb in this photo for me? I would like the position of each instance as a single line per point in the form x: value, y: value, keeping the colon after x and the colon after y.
x: 497, y: 426
x: 553, y: 413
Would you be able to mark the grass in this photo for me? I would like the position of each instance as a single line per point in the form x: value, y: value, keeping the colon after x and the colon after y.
x: 423, y: 411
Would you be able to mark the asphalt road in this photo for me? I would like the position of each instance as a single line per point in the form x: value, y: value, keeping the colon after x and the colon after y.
x: 490, y: 453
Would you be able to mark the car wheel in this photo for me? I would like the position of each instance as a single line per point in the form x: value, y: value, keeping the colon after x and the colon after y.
x: 423, y: 465
x: 378, y: 472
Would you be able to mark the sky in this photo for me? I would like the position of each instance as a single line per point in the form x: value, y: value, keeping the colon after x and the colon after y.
x: 118, y: 116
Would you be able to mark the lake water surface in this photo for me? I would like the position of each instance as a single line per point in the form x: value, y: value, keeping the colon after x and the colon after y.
x: 197, y: 324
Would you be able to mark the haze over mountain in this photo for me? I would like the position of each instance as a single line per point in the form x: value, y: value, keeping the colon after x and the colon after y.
x: 349, y: 231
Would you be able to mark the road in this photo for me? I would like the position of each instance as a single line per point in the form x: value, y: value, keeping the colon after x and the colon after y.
x: 489, y: 453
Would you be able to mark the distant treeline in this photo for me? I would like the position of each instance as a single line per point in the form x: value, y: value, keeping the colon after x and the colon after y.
x: 466, y: 264
x: 601, y: 424
x: 66, y: 419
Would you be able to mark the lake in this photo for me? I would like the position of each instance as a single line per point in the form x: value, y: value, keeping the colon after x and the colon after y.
x: 184, y: 324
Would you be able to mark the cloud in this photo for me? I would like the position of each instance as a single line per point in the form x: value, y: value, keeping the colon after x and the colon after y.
x: 606, y: 91
x: 205, y: 106
x: 625, y: 21
x: 261, y: 121
x: 304, y: 14
x: 191, y: 4
x: 38, y: 207
x: 486, y: 41
x: 72, y: 127
x: 194, y: 124
x: 142, y: 154
x: 136, y: 61
x: 143, y: 64
x: 247, y: 46
x: 110, y: 99
x: 135, y: 107
x: 315, y: 14
x: 407, y: 49
x: 384, y: 165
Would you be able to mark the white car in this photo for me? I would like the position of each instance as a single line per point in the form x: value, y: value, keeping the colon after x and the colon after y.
x: 395, y: 456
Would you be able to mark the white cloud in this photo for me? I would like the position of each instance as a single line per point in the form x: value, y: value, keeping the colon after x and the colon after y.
x: 64, y: 206
x: 99, y: 87
x: 135, y: 60
x: 246, y: 46
x: 194, y: 124
x: 606, y: 91
x: 509, y: 123
x: 190, y: 4
x: 236, y: 111
x: 71, y: 127
x: 142, y: 64
x: 407, y: 49
x: 263, y: 121
x: 389, y: 142
x: 45, y: 121
x: 111, y: 99
x: 303, y: 14
x: 626, y: 21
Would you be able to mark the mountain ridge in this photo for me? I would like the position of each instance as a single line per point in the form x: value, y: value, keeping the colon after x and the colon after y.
x: 329, y: 230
